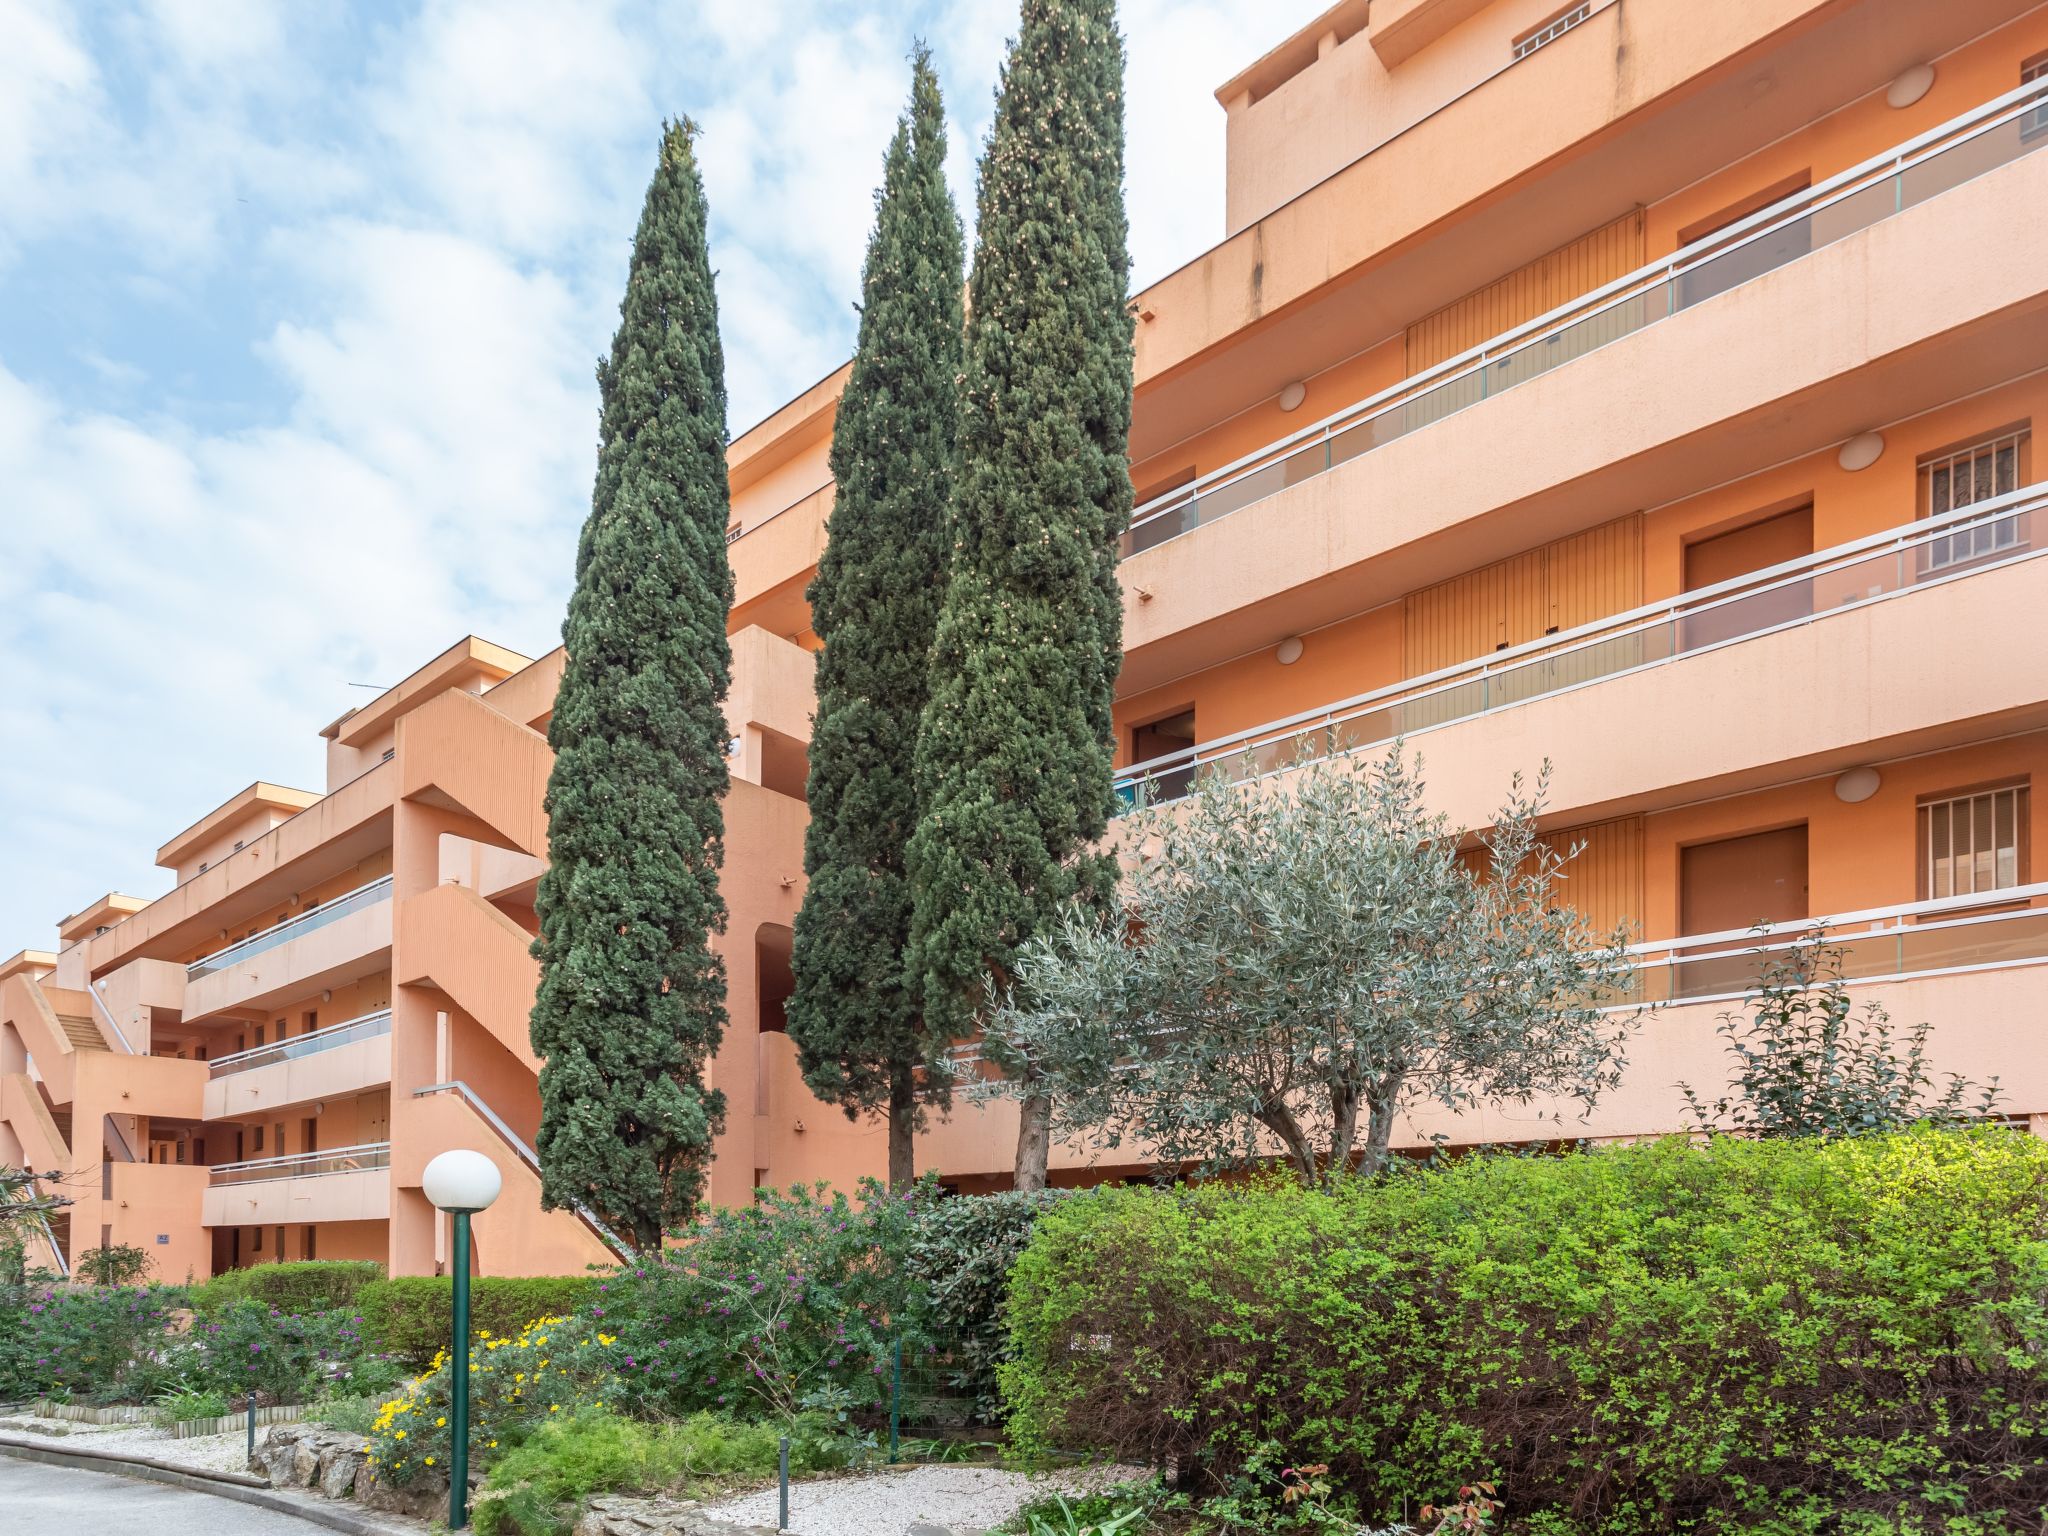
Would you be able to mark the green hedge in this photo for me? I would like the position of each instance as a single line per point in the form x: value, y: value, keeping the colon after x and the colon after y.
x: 412, y: 1316
x: 317, y: 1285
x: 1763, y: 1336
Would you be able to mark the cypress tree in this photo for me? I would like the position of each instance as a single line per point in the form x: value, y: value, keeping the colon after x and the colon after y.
x: 631, y: 1004
x: 1013, y: 759
x: 857, y: 1025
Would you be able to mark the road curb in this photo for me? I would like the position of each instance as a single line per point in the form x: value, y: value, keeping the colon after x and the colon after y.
x: 237, y: 1486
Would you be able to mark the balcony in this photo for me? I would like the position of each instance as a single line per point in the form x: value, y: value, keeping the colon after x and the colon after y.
x: 346, y: 1184
x: 1927, y: 553
x: 1961, y: 150
x: 284, y: 933
x: 338, y: 941
x: 334, y: 1062
x: 1995, y: 930
x: 1971, y: 966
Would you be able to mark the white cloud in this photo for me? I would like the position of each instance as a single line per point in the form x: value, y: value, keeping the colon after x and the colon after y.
x: 423, y: 225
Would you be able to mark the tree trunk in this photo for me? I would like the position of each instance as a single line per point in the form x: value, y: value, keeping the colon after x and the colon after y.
x: 1034, y: 1141
x: 1379, y: 1134
x: 902, y: 1139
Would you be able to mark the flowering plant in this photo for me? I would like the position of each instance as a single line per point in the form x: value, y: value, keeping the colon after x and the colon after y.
x: 287, y: 1357
x: 553, y: 1367
x: 86, y: 1342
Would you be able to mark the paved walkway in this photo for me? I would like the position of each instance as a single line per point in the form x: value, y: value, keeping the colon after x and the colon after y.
x: 41, y: 1500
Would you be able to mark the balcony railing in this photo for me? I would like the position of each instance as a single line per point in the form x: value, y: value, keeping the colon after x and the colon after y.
x: 1952, y: 935
x: 283, y: 933
x: 305, y: 1165
x: 1987, y: 930
x: 365, y: 1027
x: 1963, y: 148
x: 1867, y: 570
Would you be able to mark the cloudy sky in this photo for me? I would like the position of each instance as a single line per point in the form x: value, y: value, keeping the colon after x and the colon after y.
x: 299, y: 305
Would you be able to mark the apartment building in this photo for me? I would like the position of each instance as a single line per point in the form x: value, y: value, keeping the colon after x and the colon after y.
x: 1640, y: 386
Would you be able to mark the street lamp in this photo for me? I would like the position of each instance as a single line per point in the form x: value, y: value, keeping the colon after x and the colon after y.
x: 460, y: 1183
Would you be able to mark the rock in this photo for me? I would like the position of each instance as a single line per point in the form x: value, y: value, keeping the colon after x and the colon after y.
x: 617, y: 1515
x: 305, y: 1464
x: 421, y: 1500
x: 338, y: 1470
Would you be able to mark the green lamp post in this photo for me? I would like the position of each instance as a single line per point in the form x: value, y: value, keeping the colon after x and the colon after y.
x: 460, y: 1183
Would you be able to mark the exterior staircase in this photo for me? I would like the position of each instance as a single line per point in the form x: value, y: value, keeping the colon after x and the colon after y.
x: 83, y: 1034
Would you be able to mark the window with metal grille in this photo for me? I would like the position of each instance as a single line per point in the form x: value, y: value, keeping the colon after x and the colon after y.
x: 2035, y: 121
x: 1961, y: 477
x: 1973, y: 843
x: 1551, y: 30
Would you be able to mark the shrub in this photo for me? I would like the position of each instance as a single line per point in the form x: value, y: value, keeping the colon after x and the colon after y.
x: 99, y: 1343
x: 1667, y: 1337
x: 287, y: 1357
x: 789, y: 1303
x: 552, y: 1366
x: 958, y: 1264
x: 413, y: 1316
x: 316, y: 1285
x: 115, y: 1264
x: 535, y: 1489
x: 179, y: 1405
x: 350, y: 1414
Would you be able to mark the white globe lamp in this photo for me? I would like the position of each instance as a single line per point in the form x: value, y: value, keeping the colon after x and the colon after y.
x: 461, y: 1183
x: 461, y: 1180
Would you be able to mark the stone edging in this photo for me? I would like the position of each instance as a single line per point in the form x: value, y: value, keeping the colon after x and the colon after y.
x: 283, y: 1413
x: 237, y: 1486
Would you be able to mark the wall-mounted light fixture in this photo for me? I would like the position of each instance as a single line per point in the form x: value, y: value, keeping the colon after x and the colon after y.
x: 1909, y: 86
x: 1288, y: 651
x: 1292, y: 395
x: 1857, y: 785
x: 1861, y: 451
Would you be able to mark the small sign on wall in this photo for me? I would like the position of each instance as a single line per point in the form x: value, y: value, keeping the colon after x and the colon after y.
x: 163, y: 1239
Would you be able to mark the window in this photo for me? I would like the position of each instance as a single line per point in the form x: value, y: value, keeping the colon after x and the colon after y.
x: 1551, y: 30
x: 2036, y: 121
x: 1961, y: 477
x: 256, y: 1243
x: 1972, y: 843
x: 256, y: 1136
x: 309, y: 1244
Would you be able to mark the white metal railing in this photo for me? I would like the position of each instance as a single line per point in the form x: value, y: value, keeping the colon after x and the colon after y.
x: 283, y: 933
x: 1991, y: 930
x: 363, y: 1027
x: 113, y: 1026
x: 1984, y: 931
x: 1979, y: 140
x: 361, y: 1158
x: 524, y: 1153
x: 1871, y: 569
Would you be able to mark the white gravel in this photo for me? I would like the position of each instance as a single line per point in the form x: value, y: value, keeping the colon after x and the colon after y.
x: 889, y: 1503
x: 213, y: 1453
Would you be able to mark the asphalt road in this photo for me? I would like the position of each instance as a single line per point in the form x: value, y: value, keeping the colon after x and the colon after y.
x: 40, y: 1500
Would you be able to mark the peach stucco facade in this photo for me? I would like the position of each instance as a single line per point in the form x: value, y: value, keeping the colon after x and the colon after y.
x: 1638, y: 386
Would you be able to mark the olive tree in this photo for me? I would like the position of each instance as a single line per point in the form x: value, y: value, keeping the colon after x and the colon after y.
x: 1289, y: 965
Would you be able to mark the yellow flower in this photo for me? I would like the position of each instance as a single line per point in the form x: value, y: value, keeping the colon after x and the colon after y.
x: 401, y: 1434
x: 494, y: 1445
x: 430, y: 1461
x: 438, y: 1423
x: 554, y: 1407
